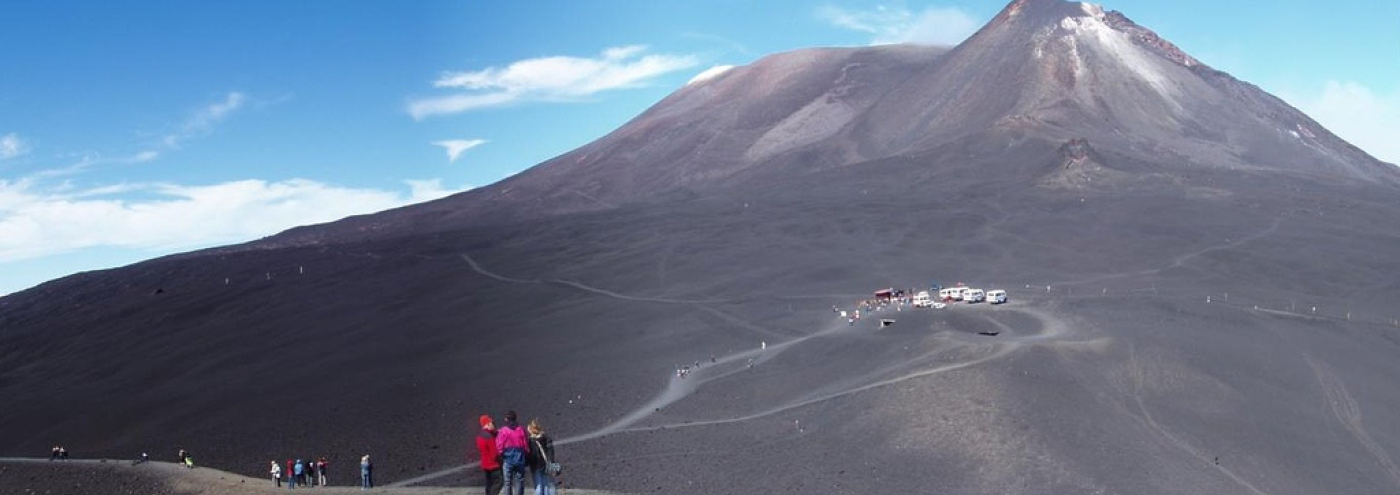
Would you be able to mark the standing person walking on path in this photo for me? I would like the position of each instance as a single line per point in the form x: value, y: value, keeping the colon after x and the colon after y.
x: 276, y: 474
x: 291, y: 479
x: 490, y: 457
x: 511, y: 441
x: 541, y: 458
x: 366, y: 473
x: 321, y: 470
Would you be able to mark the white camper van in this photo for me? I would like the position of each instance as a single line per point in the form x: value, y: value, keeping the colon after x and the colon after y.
x: 973, y: 295
x: 951, y: 293
x: 996, y: 296
x: 923, y: 300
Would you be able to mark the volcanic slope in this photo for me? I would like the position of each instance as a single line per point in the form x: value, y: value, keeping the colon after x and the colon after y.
x: 1201, y: 295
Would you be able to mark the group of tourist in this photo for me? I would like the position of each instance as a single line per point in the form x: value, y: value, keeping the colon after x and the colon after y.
x: 299, y: 472
x: 507, y: 451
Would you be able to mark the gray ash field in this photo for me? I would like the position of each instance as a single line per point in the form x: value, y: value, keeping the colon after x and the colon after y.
x: 1202, y: 296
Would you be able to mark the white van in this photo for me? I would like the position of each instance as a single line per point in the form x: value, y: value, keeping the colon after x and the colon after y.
x: 973, y: 295
x: 923, y: 300
x: 951, y: 293
x: 996, y: 296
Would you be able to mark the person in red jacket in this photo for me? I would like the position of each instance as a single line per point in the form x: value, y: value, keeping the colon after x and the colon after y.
x: 490, y: 455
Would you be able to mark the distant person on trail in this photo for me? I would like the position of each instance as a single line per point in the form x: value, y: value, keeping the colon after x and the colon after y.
x: 490, y: 456
x: 54, y: 456
x: 181, y: 459
x: 299, y: 471
x: 321, y: 470
x: 514, y: 447
x: 276, y: 474
x: 291, y: 479
x: 62, y: 453
x: 541, y: 457
x: 366, y: 473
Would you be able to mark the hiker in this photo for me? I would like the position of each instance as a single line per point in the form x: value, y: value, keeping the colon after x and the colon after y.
x: 54, y: 456
x: 299, y: 470
x: 182, y: 456
x: 366, y: 473
x: 511, y: 441
x: 541, y: 459
x: 291, y: 480
x: 321, y: 470
x: 276, y: 474
x: 490, y: 456
x: 189, y: 461
x: 62, y: 453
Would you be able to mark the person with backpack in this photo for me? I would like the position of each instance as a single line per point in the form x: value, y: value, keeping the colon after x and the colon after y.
x: 511, y: 441
x: 490, y: 457
x: 543, y: 467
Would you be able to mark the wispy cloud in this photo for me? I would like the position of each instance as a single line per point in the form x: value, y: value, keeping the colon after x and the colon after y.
x: 36, y: 222
x: 12, y: 146
x: 1364, y: 117
x: 455, y: 147
x: 559, y: 78
x: 709, y: 73
x: 886, y: 25
x: 203, y: 120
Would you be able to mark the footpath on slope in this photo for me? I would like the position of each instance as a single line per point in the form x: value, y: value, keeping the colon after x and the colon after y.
x: 33, y: 476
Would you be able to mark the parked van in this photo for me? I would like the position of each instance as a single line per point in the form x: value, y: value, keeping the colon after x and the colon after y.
x: 973, y: 295
x: 996, y: 296
x: 923, y: 300
x: 951, y: 293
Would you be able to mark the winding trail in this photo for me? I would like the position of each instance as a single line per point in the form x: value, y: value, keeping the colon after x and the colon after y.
x: 1178, y: 261
x: 1348, y: 413
x: 677, y: 388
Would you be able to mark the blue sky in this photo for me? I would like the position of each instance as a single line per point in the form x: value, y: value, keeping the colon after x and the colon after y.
x: 130, y: 130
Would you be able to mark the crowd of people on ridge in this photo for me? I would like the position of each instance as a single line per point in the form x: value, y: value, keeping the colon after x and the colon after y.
x: 308, y: 473
x: 507, y: 451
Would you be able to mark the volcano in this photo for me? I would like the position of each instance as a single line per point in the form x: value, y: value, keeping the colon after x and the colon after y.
x: 1200, y: 279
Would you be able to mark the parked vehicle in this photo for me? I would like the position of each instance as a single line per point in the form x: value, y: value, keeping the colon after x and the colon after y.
x: 951, y: 293
x: 974, y: 296
x: 923, y: 300
x: 996, y: 296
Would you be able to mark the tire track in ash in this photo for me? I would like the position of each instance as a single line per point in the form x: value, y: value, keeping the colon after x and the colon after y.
x: 1178, y: 442
x: 1178, y: 261
x: 1347, y: 412
x: 586, y: 288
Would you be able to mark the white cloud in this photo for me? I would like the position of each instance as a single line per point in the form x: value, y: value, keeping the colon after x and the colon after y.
x: 203, y: 120
x: 455, y: 147
x: 558, y: 78
x: 38, y: 223
x: 12, y: 146
x: 709, y: 73
x: 887, y: 25
x: 1362, y: 116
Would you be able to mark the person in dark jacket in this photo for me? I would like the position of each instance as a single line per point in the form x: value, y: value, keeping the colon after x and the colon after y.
x: 366, y: 473
x: 540, y: 458
x: 490, y: 456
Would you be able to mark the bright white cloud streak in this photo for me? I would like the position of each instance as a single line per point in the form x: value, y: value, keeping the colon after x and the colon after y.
x: 1364, y: 117
x: 709, y: 73
x: 559, y: 78
x: 12, y: 146
x: 888, y: 25
x: 455, y: 147
x: 204, y: 119
x: 35, y: 224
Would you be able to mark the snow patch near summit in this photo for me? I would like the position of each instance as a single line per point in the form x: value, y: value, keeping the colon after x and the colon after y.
x: 1093, y: 30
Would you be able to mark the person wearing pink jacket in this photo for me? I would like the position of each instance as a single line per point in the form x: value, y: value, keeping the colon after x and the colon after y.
x: 511, y: 441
